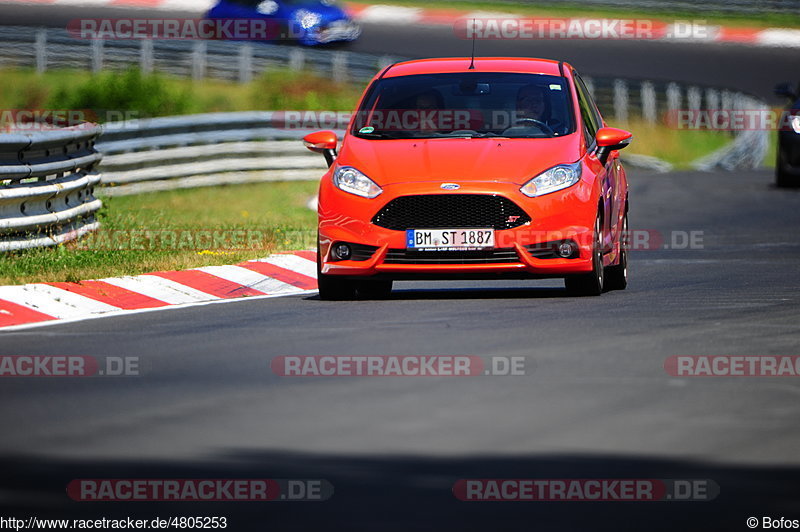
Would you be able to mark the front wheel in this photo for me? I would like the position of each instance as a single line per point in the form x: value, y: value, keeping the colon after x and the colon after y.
x: 590, y: 284
x: 332, y: 287
x: 374, y: 289
x: 783, y: 180
x: 782, y: 177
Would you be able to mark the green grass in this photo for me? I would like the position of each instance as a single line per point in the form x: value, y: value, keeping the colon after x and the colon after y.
x: 543, y: 9
x: 158, y: 95
x: 268, y: 216
x: 678, y: 147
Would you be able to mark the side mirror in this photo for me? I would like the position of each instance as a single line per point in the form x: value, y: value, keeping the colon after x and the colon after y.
x: 611, y: 139
x: 323, y: 142
x: 785, y: 90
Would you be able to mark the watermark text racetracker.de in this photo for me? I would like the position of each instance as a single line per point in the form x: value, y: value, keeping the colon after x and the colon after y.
x: 596, y: 489
x: 580, y: 28
x: 732, y: 366
x: 398, y: 366
x: 181, y: 239
x: 69, y: 366
x: 33, y: 120
x: 733, y: 119
x: 259, y: 29
x: 199, y: 490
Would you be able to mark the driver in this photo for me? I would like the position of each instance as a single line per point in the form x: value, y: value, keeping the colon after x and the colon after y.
x: 429, y: 100
x: 533, y: 102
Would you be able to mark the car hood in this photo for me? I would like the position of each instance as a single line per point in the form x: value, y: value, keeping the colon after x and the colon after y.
x: 414, y: 160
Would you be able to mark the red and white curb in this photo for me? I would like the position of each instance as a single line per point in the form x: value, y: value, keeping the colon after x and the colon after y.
x: 277, y: 275
x: 402, y: 15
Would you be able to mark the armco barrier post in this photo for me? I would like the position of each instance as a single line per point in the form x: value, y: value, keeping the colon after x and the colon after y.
x: 621, y: 101
x: 649, y: 110
x: 246, y: 63
x: 146, y: 56
x: 97, y: 55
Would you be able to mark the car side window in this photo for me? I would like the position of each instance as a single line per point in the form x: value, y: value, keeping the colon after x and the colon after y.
x: 247, y: 3
x: 591, y: 118
x: 592, y: 104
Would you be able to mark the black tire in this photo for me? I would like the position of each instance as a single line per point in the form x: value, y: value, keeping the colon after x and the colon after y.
x: 333, y: 287
x: 782, y: 178
x: 590, y: 284
x: 374, y: 289
x: 616, y: 277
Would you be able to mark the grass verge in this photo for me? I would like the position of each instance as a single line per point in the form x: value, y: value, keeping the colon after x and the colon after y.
x: 678, y: 147
x: 176, y: 230
x: 158, y: 95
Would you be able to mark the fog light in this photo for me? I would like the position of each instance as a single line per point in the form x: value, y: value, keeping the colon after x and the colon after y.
x: 566, y: 249
x: 341, y: 251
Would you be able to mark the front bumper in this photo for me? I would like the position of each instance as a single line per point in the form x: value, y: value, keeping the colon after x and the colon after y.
x: 566, y: 215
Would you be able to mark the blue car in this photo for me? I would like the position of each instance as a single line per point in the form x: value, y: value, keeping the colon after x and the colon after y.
x: 309, y: 22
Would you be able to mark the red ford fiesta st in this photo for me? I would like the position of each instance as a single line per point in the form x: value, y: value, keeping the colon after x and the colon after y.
x: 472, y: 169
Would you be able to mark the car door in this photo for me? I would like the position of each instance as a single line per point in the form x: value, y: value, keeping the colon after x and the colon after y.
x: 592, y: 121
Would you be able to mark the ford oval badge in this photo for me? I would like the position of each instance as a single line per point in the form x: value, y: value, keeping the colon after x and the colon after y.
x: 450, y: 186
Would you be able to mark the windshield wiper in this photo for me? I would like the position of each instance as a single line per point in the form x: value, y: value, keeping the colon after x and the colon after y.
x: 375, y: 135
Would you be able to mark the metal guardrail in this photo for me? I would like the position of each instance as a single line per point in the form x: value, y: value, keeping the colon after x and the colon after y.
x: 227, y: 148
x: 49, y: 48
x: 204, y: 150
x: 620, y: 100
x: 47, y: 181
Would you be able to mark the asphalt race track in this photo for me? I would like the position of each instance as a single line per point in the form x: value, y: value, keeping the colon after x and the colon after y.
x: 596, y: 401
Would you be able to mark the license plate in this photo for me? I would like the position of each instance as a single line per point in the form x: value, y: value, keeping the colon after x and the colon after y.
x: 449, y: 239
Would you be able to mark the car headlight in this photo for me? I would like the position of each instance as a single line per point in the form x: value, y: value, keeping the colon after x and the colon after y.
x: 556, y: 178
x: 307, y: 19
x: 795, y: 123
x: 351, y: 180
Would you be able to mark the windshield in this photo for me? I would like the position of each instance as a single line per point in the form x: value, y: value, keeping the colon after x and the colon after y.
x: 468, y: 104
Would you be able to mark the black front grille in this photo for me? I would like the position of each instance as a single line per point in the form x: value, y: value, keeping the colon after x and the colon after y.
x: 480, y: 256
x: 543, y: 251
x: 362, y: 252
x: 444, y: 211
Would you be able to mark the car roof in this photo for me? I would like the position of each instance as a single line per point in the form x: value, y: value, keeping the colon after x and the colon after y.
x: 525, y: 65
